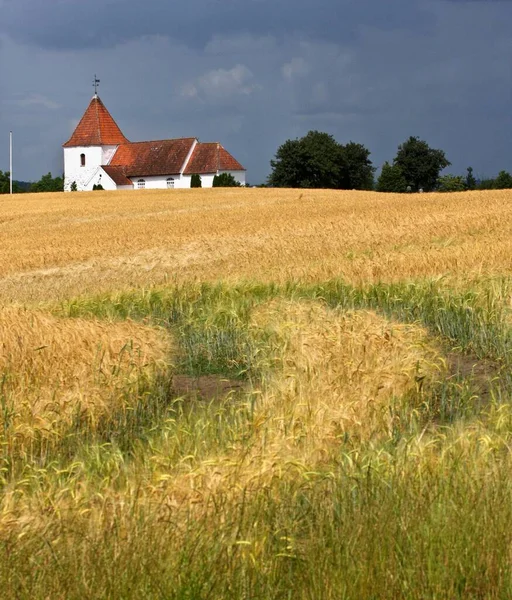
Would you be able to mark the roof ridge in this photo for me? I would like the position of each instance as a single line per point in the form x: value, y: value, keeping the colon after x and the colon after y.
x: 165, y: 140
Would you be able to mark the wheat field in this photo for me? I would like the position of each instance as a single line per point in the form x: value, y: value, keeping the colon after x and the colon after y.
x: 256, y: 393
x: 54, y: 246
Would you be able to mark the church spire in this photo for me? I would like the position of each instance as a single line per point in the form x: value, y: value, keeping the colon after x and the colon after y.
x: 96, y: 127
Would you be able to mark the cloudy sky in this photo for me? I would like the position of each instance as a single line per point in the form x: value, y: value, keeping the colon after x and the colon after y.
x: 253, y: 73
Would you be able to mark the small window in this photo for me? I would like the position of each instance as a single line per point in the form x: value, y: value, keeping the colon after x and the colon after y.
x: 141, y: 184
x: 82, y: 160
x: 170, y: 182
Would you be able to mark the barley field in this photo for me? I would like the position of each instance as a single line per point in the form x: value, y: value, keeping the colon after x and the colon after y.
x: 256, y: 394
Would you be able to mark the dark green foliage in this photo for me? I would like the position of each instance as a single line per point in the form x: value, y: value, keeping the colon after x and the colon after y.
x: 503, y: 181
x: 317, y: 160
x: 470, y: 179
x: 97, y: 186
x: 5, y: 184
x: 359, y: 168
x: 486, y: 184
x: 451, y: 183
x: 391, y: 179
x: 74, y: 187
x: 420, y: 164
x: 195, y: 181
x: 47, y: 183
x: 225, y: 180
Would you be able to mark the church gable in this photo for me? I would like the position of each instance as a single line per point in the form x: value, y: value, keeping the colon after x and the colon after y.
x: 211, y: 158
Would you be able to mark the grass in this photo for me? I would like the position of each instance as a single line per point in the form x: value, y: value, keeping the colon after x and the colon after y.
x: 364, y: 453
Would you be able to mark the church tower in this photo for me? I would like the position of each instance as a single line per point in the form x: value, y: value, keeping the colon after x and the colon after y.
x: 93, y: 143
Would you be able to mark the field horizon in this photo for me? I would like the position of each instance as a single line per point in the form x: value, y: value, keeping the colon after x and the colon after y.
x: 256, y: 393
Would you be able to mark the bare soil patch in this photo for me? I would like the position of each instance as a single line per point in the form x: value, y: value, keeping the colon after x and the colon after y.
x: 481, y: 371
x: 205, y: 387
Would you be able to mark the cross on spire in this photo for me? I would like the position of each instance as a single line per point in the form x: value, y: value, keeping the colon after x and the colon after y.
x: 95, y: 84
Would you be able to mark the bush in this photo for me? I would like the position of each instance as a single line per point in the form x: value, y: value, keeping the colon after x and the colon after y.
x: 97, y: 187
x: 225, y: 180
x: 195, y: 181
x: 451, y: 183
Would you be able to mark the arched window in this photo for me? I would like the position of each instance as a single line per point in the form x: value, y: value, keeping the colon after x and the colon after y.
x: 170, y: 182
x: 141, y: 184
x: 82, y: 160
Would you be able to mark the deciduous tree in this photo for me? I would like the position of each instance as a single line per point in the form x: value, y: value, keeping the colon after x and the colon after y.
x: 317, y: 160
x: 5, y: 184
x: 47, y: 183
x: 358, y: 166
x: 391, y: 179
x: 420, y: 164
x: 503, y: 181
x: 451, y: 183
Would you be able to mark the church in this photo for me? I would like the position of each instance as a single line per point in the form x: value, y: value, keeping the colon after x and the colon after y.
x: 98, y: 153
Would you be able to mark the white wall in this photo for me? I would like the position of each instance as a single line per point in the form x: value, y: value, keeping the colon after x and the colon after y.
x: 107, y: 154
x: 104, y: 179
x: 207, y: 179
x: 238, y: 175
x: 160, y: 182
x: 73, y: 171
x: 183, y: 181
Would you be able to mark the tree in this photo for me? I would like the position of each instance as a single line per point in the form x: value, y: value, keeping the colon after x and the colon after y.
x: 359, y: 168
x: 488, y: 183
x: 74, y: 187
x: 195, y: 181
x: 503, y: 181
x: 317, y: 160
x: 313, y: 161
x: 452, y: 183
x: 5, y: 184
x: 391, y: 179
x: 225, y: 180
x: 470, y: 179
x: 420, y: 164
x: 47, y: 183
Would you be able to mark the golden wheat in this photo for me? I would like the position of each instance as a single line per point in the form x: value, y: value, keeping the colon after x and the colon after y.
x: 329, y: 375
x: 58, y: 245
x: 54, y: 370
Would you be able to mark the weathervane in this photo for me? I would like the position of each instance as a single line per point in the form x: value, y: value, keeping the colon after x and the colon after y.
x: 95, y: 84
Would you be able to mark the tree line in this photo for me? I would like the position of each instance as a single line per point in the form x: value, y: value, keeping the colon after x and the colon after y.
x: 47, y: 183
x: 317, y: 160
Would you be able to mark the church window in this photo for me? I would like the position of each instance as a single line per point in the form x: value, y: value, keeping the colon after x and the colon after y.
x: 82, y: 160
x: 170, y: 182
x: 141, y: 184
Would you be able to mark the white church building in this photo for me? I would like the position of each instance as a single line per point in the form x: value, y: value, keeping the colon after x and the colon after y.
x: 98, y: 154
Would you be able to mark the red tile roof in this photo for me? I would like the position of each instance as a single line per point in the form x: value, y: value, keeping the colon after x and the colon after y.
x: 210, y: 158
x: 96, y: 128
x: 144, y: 159
x: 117, y: 174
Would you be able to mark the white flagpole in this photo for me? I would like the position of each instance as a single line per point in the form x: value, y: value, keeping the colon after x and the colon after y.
x: 10, y: 161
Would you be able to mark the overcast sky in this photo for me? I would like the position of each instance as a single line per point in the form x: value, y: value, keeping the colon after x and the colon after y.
x: 253, y: 73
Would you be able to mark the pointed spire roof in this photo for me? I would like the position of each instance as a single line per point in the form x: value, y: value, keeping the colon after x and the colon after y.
x: 96, y: 128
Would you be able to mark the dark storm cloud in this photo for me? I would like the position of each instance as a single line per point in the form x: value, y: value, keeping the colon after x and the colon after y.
x: 73, y: 24
x: 253, y: 73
